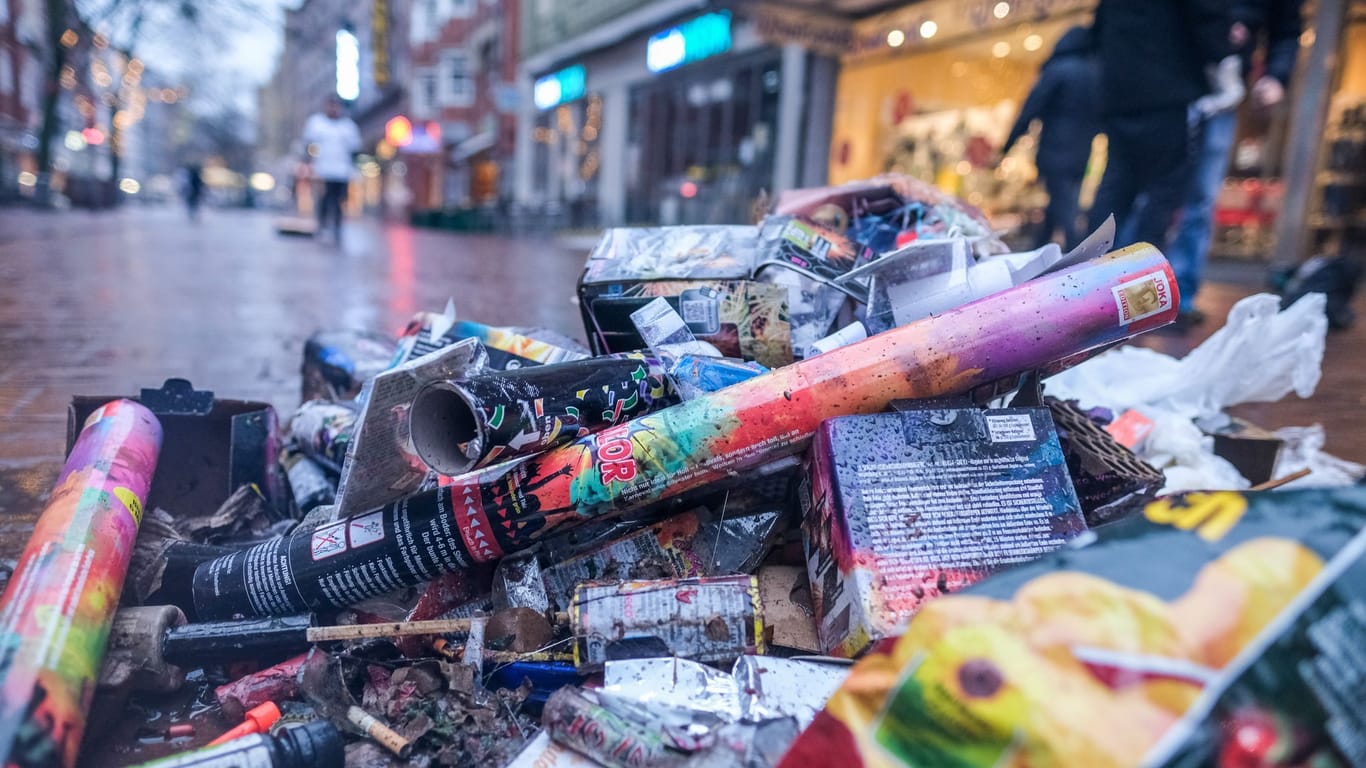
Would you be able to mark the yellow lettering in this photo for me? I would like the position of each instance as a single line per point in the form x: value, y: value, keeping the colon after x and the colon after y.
x: 1211, y: 515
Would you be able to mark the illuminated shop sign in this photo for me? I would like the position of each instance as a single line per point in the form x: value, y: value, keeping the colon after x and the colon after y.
x: 348, y: 65
x: 693, y: 40
x: 559, y: 87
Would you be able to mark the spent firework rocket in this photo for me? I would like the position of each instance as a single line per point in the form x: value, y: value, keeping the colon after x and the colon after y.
x: 56, y: 612
x: 483, y: 418
x: 482, y: 516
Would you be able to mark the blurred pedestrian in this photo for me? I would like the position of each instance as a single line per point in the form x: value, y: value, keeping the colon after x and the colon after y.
x: 1153, y: 56
x: 333, y: 140
x: 1065, y: 99
x: 193, y: 189
x: 1278, y: 23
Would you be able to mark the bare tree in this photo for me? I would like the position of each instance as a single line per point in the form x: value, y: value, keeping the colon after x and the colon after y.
x: 126, y: 27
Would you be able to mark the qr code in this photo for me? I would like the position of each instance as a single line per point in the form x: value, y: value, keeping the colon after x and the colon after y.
x: 696, y: 312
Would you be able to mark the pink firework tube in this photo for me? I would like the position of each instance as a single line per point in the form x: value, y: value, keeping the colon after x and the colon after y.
x: 56, y: 612
x: 481, y: 516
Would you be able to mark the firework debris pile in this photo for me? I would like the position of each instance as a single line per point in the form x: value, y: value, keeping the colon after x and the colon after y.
x: 800, y: 501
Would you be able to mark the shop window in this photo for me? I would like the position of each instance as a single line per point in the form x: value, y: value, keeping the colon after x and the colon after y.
x: 457, y: 79
x: 460, y: 9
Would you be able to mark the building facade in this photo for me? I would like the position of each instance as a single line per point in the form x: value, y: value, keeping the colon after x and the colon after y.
x: 462, y: 102
x: 675, y: 112
x: 21, y: 62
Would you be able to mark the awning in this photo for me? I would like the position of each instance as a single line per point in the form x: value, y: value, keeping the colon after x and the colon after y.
x: 474, y: 145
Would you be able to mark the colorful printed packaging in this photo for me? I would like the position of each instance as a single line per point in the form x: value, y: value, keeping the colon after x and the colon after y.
x: 904, y: 507
x: 1213, y: 629
x: 508, y: 348
x: 58, y: 606
x: 705, y: 275
x: 714, y: 620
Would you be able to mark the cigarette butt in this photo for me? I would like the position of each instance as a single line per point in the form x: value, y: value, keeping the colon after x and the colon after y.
x: 378, y: 731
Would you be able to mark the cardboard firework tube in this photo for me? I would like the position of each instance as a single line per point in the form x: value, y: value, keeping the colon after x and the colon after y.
x: 250, y: 691
x: 481, y: 516
x: 60, y: 602
x: 458, y: 426
x: 227, y: 641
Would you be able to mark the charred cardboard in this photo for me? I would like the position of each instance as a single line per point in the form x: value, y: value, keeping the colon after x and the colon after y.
x: 900, y: 508
x: 210, y: 448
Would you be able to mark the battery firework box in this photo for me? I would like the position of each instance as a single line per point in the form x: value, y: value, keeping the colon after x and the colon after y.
x: 210, y: 447
x: 705, y: 275
x: 900, y: 508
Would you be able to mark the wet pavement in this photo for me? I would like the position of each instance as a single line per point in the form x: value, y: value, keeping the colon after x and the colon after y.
x: 108, y: 303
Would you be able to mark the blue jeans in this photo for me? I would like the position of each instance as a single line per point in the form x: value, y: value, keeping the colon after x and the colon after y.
x: 1190, y: 246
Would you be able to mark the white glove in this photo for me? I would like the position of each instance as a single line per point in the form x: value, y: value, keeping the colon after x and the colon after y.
x: 1226, y: 87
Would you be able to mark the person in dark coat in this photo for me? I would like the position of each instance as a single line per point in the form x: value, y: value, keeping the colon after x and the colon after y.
x: 1153, y: 56
x: 1277, y: 22
x: 1066, y: 99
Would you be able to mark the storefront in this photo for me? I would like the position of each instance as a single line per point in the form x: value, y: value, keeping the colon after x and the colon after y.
x: 701, y: 143
x: 687, y: 121
x: 566, y: 158
x: 1337, y: 220
x: 932, y: 90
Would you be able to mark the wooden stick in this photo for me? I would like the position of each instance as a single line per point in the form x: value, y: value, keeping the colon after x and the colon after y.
x: 444, y: 647
x: 1278, y: 482
x: 398, y: 629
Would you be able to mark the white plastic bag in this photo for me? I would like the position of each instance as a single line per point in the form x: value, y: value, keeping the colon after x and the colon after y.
x: 1186, y: 456
x: 1304, y: 449
x: 1259, y: 356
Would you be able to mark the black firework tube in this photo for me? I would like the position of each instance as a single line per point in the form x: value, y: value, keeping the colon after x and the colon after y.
x: 458, y: 426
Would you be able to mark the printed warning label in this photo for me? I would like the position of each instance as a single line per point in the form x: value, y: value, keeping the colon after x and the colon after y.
x: 1144, y: 297
x: 329, y: 541
x: 366, y: 529
x: 130, y: 501
x: 1011, y: 429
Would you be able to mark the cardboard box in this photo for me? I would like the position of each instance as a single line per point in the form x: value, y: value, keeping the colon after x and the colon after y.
x: 705, y: 275
x: 900, y: 508
x: 210, y: 447
x: 1249, y: 448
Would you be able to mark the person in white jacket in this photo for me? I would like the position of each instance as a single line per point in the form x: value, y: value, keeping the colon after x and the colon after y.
x: 333, y: 139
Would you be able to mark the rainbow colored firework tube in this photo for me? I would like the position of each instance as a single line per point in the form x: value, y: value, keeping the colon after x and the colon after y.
x: 481, y: 516
x: 56, y: 612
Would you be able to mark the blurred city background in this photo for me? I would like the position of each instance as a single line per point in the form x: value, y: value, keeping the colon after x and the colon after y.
x: 543, y: 115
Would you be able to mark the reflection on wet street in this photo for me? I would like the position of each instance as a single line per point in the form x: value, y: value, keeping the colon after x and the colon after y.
x: 109, y: 303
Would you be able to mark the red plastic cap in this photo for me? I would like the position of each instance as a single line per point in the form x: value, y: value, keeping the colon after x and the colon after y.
x: 263, y: 716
